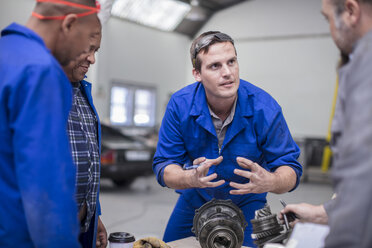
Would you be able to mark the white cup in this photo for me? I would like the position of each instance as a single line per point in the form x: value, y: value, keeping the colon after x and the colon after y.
x: 121, y: 240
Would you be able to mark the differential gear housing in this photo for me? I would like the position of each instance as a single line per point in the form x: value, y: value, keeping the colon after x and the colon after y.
x: 219, y: 224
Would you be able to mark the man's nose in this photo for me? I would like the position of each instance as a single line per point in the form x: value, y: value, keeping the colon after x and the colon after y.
x: 226, y: 71
x: 91, y: 58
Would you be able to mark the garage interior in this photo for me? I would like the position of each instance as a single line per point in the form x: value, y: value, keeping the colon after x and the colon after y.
x: 284, y: 47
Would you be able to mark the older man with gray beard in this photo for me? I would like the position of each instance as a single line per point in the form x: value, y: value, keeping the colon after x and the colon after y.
x: 348, y: 215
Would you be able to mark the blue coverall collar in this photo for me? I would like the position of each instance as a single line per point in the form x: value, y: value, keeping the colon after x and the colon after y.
x: 200, y: 105
x: 15, y: 28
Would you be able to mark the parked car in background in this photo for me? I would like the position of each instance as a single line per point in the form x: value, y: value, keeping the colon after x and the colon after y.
x: 124, y: 158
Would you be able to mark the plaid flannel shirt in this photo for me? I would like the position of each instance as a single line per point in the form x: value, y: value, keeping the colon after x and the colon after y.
x: 82, y: 132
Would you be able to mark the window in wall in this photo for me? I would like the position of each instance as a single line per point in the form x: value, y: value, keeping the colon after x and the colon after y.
x: 132, y: 105
x: 119, y: 113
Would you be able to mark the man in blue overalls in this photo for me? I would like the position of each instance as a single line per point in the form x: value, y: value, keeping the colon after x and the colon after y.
x: 222, y: 137
x: 37, y: 178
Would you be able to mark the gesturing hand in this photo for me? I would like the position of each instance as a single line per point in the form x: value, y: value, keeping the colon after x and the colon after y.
x: 261, y: 180
x: 199, y: 178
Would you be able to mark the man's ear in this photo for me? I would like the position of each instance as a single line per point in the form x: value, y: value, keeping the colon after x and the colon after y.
x: 196, y: 74
x: 352, y: 12
x: 68, y: 23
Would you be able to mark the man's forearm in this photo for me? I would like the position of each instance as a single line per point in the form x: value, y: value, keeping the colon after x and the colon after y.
x: 177, y: 178
x: 284, y: 180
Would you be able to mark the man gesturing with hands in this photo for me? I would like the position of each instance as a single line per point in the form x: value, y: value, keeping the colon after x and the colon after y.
x: 222, y: 137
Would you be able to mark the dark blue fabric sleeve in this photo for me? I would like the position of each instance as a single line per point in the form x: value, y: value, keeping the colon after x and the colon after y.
x: 170, y: 148
x: 98, y: 206
x: 45, y: 173
x: 278, y: 145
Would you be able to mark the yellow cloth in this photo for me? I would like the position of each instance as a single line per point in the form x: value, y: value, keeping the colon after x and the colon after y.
x: 150, y: 242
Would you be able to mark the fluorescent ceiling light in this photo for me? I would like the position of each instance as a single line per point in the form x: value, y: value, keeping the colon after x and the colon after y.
x: 161, y: 14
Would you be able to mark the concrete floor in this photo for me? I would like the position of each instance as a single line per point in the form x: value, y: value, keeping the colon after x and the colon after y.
x: 143, y: 209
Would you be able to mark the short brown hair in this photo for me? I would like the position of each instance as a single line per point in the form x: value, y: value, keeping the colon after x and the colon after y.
x: 202, y: 44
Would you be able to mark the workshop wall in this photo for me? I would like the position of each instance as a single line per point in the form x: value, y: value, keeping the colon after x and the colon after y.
x: 136, y: 54
x: 15, y: 11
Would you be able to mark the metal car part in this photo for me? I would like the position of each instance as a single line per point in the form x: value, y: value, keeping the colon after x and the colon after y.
x: 219, y: 224
x: 266, y: 228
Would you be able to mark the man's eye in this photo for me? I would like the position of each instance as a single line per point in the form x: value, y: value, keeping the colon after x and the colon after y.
x: 231, y: 62
x: 214, y: 66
